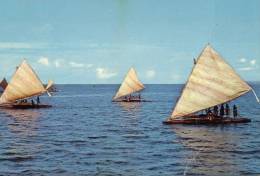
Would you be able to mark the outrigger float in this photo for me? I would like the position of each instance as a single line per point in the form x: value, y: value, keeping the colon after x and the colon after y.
x: 130, y: 85
x: 212, y: 82
x: 24, y: 85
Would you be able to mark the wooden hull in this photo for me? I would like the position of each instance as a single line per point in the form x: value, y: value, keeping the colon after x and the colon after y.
x: 197, y: 120
x: 27, y: 106
x: 133, y: 100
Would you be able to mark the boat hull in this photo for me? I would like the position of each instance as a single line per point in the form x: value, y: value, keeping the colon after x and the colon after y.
x: 130, y: 101
x: 26, y: 106
x: 31, y: 106
x: 197, y: 120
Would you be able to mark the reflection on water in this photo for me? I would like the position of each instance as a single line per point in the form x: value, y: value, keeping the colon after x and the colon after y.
x: 24, y: 122
x: 211, y: 150
x: 130, y: 106
x: 22, y: 129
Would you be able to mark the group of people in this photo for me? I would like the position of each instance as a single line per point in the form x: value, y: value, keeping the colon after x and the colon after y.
x: 32, y: 101
x: 132, y: 97
x: 223, y: 110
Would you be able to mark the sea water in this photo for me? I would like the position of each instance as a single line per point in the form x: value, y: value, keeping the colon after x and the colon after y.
x: 84, y: 133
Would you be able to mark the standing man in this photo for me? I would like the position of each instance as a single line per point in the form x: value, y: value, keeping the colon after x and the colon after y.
x: 222, y: 110
x: 215, y: 109
x: 227, y: 110
x: 235, y: 111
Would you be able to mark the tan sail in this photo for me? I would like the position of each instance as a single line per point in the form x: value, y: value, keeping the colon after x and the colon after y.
x: 50, y: 84
x: 3, y: 84
x: 212, y: 82
x: 130, y: 85
x: 24, y: 84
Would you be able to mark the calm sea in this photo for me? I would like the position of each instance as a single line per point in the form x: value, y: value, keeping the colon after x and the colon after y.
x: 87, y: 134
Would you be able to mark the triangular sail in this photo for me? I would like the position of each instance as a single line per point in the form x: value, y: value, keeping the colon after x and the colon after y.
x: 3, y: 84
x: 50, y: 84
x: 212, y: 82
x: 130, y: 85
x: 24, y: 84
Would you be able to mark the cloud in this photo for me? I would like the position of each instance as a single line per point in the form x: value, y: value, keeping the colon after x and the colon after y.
x: 57, y: 63
x: 23, y: 45
x: 253, y: 62
x: 246, y: 68
x: 242, y: 60
x: 176, y: 77
x: 89, y: 65
x: 150, y: 74
x: 76, y: 65
x: 15, y: 45
x: 44, y: 61
x: 248, y: 64
x: 104, y: 73
x: 80, y: 65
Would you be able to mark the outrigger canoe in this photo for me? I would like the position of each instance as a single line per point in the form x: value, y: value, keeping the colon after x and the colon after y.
x: 24, y: 84
x: 131, y: 84
x: 212, y: 82
x: 204, y: 119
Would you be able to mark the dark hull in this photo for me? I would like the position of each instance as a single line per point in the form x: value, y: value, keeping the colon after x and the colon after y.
x: 134, y: 100
x: 197, y: 120
x: 27, y: 106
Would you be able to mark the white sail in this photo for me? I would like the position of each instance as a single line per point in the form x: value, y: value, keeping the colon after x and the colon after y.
x: 24, y: 84
x: 212, y: 82
x: 130, y: 85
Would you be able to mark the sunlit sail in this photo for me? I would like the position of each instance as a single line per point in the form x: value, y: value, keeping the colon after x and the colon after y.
x: 24, y: 84
x: 212, y: 82
x: 131, y: 84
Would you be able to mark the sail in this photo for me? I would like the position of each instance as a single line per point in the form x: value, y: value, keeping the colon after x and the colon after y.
x: 50, y: 84
x: 24, y: 84
x: 3, y: 84
x: 130, y: 85
x: 212, y: 82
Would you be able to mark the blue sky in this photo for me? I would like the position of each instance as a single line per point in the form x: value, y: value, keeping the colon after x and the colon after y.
x: 98, y: 41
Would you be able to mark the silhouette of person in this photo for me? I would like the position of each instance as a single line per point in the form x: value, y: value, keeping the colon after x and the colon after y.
x: 222, y: 110
x: 215, y: 109
x: 235, y: 111
x: 32, y: 102
x: 227, y: 110
x: 38, y: 100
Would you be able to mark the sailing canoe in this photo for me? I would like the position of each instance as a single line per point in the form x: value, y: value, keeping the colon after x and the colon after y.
x: 24, y: 84
x: 212, y: 82
x: 131, y: 84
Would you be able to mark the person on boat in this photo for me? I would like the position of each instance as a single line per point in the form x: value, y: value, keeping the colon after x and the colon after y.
x: 222, y: 110
x: 32, y: 102
x: 235, y: 111
x: 215, y: 109
x: 38, y: 100
x: 209, y: 112
x: 227, y: 110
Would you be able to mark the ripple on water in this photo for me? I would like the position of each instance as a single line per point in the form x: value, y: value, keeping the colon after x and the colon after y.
x: 90, y: 135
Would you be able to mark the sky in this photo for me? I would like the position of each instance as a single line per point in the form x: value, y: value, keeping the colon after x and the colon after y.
x: 97, y: 41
